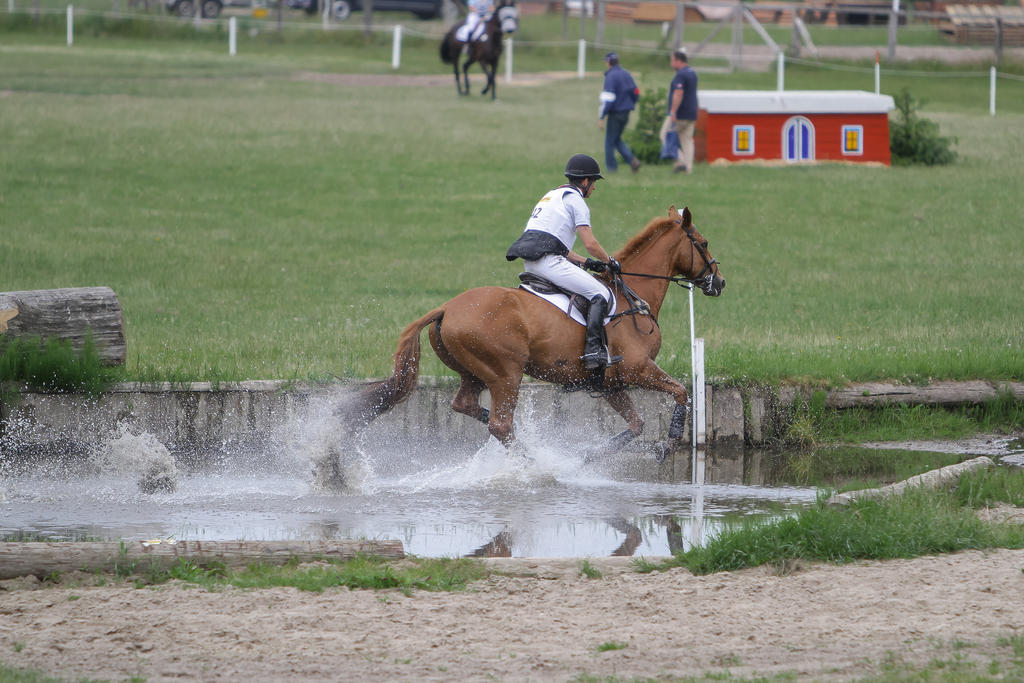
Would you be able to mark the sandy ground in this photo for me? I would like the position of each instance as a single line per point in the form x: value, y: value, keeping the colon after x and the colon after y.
x: 540, y: 621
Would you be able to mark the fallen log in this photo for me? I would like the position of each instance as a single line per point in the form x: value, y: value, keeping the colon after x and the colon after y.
x: 936, y: 393
x: 41, y: 559
x: 71, y: 314
x: 944, y: 476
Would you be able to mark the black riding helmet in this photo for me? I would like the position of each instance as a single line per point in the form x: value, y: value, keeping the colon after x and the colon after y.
x: 582, y: 166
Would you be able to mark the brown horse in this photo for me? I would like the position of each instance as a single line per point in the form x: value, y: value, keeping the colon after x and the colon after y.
x: 492, y: 336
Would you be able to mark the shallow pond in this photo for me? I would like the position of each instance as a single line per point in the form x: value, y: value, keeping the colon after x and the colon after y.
x: 439, y: 501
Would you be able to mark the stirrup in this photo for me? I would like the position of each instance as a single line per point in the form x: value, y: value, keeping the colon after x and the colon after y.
x: 599, y: 359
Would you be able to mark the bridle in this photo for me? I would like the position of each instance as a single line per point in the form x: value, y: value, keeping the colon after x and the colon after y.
x: 637, y: 306
x: 703, y: 280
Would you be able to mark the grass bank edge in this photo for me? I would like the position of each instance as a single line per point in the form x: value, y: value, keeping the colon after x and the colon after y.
x: 916, y: 523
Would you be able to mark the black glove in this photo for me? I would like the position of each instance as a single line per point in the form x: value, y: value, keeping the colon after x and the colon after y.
x: 595, y: 265
x: 614, y: 266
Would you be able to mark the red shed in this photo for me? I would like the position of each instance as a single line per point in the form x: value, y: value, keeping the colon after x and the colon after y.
x: 792, y: 125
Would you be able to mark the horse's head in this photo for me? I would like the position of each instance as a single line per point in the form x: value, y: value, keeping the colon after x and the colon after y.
x: 506, y: 14
x: 694, y: 261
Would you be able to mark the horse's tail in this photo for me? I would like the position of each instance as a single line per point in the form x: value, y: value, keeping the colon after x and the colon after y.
x: 448, y: 52
x: 379, y: 397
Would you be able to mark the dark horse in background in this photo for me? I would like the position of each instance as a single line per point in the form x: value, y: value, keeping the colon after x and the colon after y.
x: 492, y: 336
x: 504, y: 20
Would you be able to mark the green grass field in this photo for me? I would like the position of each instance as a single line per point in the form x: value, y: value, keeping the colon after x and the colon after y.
x: 256, y: 224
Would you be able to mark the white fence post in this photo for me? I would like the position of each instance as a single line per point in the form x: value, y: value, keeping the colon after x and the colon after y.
x: 992, y: 91
x: 396, y: 47
x: 508, y: 60
x: 780, y: 75
x: 878, y: 75
x: 71, y: 25
x: 233, y: 36
x: 581, y: 59
x: 10, y: 6
x: 699, y: 405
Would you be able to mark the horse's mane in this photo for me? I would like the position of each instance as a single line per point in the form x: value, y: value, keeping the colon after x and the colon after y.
x: 646, y: 237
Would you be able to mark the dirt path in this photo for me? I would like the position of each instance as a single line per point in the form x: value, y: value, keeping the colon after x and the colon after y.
x: 544, y: 622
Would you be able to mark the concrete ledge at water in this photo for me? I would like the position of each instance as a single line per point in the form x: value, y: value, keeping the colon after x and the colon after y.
x: 202, y: 417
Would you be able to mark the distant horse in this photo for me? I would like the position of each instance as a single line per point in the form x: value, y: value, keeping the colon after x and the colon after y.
x: 492, y: 336
x: 487, y: 50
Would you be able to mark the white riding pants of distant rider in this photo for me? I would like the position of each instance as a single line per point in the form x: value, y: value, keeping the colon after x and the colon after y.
x: 471, y: 30
x: 564, y: 273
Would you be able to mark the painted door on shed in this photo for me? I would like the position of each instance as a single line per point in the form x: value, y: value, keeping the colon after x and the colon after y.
x: 798, y: 139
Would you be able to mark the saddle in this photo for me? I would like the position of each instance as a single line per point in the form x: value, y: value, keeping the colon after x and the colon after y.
x: 542, y: 285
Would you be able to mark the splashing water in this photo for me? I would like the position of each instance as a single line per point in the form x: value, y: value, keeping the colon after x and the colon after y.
x: 139, y: 454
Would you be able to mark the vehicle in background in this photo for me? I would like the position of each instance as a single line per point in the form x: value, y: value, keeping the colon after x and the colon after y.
x: 187, y: 8
x: 342, y: 9
x: 211, y: 9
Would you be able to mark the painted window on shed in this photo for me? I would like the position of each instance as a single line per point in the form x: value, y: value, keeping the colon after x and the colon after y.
x: 798, y: 139
x: 853, y: 140
x: 742, y: 140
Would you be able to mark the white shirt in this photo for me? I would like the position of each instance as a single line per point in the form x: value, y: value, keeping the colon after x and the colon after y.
x: 559, y: 213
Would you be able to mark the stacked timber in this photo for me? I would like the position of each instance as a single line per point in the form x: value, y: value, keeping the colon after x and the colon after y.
x: 72, y: 314
x: 980, y: 24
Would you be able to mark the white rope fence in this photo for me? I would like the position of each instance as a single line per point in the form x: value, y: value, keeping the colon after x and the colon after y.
x: 398, y: 31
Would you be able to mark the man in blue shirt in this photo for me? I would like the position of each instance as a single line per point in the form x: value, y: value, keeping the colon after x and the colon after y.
x: 618, y: 98
x: 682, y: 110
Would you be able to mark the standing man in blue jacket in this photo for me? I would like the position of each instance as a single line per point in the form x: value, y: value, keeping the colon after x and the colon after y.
x: 617, y: 99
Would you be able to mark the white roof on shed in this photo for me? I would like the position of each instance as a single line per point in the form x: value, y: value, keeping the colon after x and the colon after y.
x: 793, y: 102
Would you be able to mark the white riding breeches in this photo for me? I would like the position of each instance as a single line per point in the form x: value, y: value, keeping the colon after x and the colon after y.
x: 565, y: 274
x: 471, y: 30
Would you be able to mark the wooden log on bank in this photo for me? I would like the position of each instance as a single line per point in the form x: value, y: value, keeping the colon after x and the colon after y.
x: 41, y: 559
x: 70, y: 314
x: 944, y: 476
x: 935, y: 393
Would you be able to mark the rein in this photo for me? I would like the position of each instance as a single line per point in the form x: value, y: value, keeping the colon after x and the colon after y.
x: 640, y: 307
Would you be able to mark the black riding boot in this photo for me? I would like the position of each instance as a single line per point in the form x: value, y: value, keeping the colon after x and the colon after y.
x: 595, y: 354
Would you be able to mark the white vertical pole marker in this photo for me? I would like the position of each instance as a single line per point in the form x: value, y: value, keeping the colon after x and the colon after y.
x: 780, y: 72
x: 508, y: 60
x: 71, y: 25
x: 233, y: 36
x: 992, y: 91
x: 878, y: 75
x: 10, y: 6
x: 396, y: 47
x: 699, y: 417
x: 581, y: 58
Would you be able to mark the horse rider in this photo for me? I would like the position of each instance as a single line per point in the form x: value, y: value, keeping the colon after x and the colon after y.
x: 473, y: 29
x: 546, y: 249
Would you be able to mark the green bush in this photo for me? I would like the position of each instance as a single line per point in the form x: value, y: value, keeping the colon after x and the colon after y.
x: 643, y: 138
x: 914, y: 140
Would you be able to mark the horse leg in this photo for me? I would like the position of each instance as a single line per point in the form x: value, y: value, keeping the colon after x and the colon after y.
x: 491, y: 85
x: 465, y: 74
x: 467, y: 399
x: 490, y: 79
x: 455, y: 68
x: 504, y: 396
x: 623, y: 405
x: 654, y: 378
